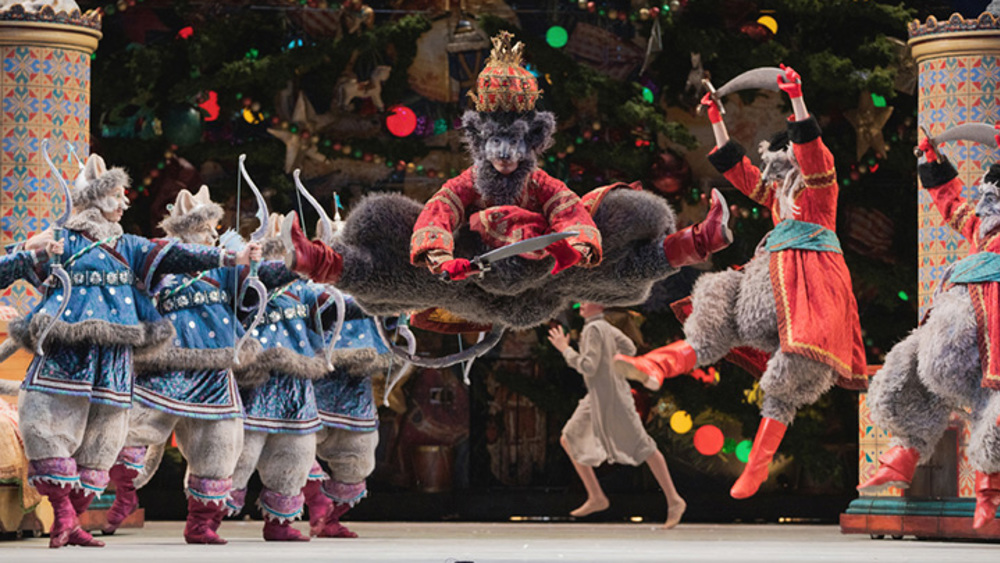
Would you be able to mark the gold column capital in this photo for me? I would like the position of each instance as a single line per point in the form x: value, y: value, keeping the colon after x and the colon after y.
x: 53, y: 35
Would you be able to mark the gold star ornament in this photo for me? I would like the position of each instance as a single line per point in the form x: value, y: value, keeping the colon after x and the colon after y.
x: 868, y: 121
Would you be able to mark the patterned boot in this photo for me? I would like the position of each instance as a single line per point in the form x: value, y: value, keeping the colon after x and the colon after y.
x: 331, y: 526
x: 279, y: 512
x: 56, y: 478
x: 123, y: 473
x: 344, y: 496
x: 206, y: 507
x: 316, y: 501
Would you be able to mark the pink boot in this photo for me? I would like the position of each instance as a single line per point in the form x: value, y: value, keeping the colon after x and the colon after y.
x: 206, y: 507
x: 123, y: 474
x: 55, y: 478
x: 319, y: 505
x: 331, y: 526
x: 279, y: 512
x: 200, y: 527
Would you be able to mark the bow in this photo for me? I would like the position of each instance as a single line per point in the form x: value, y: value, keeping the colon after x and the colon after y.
x: 57, y: 271
x: 337, y: 295
x: 253, y: 281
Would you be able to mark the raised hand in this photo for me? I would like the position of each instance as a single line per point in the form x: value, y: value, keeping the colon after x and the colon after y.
x: 558, y: 338
x: 927, y: 148
x: 712, y: 108
x: 250, y: 253
x: 39, y: 241
x: 790, y: 82
x: 54, y: 247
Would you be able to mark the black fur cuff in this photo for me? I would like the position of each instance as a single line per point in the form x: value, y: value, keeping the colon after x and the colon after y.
x: 938, y: 173
x: 802, y: 132
x: 726, y: 157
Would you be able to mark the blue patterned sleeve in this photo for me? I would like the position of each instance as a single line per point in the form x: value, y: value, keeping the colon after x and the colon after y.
x: 164, y: 256
x: 23, y: 265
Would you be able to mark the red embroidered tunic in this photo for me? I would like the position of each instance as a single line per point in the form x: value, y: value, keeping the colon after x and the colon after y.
x: 941, y: 181
x: 817, y: 312
x: 546, y: 205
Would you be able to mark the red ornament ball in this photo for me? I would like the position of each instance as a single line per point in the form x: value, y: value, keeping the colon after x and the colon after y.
x: 591, y: 7
x: 401, y: 121
x: 708, y: 440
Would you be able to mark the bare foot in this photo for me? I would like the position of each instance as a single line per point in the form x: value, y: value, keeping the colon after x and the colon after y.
x: 674, y: 513
x: 591, y: 506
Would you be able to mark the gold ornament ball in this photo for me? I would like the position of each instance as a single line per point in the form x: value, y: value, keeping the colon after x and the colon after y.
x: 644, y: 14
x: 570, y: 149
x: 613, y: 14
x: 346, y: 149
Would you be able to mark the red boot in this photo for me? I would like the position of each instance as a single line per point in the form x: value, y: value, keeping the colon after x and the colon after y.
x: 66, y: 528
x: 279, y: 511
x: 313, y: 259
x: 318, y: 504
x: 126, y: 499
x: 281, y: 530
x: 697, y: 242
x: 201, y: 523
x: 663, y: 363
x: 331, y: 527
x: 895, y: 469
x: 987, y: 498
x: 765, y: 444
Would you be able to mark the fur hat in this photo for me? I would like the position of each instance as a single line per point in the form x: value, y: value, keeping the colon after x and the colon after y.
x: 505, y: 85
x: 778, y: 142
x: 191, y: 214
x: 992, y: 175
x: 96, y: 186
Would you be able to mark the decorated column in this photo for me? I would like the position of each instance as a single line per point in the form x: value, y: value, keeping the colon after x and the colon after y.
x: 958, y: 62
x: 45, y: 48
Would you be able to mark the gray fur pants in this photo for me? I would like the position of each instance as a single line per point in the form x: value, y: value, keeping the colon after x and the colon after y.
x: 61, y: 426
x: 283, y: 460
x: 933, y: 372
x: 350, y: 454
x: 736, y: 308
x: 211, y: 447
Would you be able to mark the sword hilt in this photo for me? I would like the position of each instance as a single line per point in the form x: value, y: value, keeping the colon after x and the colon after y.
x: 707, y: 83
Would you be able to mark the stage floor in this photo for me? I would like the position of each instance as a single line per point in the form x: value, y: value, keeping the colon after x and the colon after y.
x: 479, y: 543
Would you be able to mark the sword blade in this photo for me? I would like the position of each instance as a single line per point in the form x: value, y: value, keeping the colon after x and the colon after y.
x: 527, y: 245
x: 978, y: 132
x: 759, y: 78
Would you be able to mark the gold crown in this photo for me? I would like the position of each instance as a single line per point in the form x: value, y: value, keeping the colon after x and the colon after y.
x: 505, y: 85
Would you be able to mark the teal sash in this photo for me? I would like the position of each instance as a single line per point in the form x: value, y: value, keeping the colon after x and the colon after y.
x: 792, y: 234
x: 977, y: 268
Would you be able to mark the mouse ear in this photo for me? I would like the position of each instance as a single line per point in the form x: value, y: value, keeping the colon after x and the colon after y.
x: 540, y: 131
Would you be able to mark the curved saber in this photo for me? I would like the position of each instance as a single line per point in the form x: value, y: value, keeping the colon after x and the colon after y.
x: 411, y: 348
x: 338, y: 297
x: 312, y: 201
x: 252, y: 280
x: 480, y: 348
x: 57, y: 270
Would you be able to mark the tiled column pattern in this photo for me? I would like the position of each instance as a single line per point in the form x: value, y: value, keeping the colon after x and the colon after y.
x: 959, y: 65
x: 45, y: 86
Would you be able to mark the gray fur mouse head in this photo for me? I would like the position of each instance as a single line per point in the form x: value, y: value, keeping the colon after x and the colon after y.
x: 988, y: 205
x: 779, y: 165
x: 505, y: 147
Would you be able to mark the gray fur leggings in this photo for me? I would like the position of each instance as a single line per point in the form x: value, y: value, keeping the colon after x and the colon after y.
x: 736, y: 308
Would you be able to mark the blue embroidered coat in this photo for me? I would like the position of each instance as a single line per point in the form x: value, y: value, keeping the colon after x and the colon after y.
x: 345, y: 398
x: 286, y: 403
x: 90, y: 347
x: 192, y: 377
